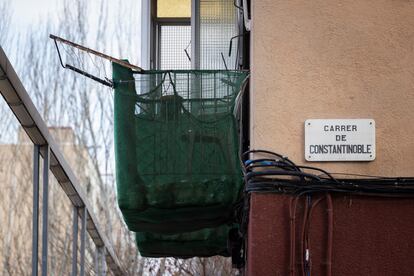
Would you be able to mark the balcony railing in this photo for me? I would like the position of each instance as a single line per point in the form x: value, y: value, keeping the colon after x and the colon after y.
x: 29, y: 118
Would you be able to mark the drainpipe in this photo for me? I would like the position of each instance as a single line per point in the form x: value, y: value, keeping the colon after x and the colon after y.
x: 246, y: 16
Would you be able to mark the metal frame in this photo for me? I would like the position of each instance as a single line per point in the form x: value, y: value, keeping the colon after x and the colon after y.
x: 94, y: 52
x: 195, y: 34
x: 29, y: 118
x: 84, y: 216
x: 150, y: 33
x: 100, y: 261
x: 146, y: 34
x: 75, y: 241
x: 45, y: 207
x: 155, y: 31
x: 105, y: 81
x: 35, y: 226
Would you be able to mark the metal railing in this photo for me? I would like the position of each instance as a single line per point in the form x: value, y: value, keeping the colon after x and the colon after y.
x: 23, y: 108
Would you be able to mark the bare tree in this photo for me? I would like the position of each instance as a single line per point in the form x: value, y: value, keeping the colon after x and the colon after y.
x: 6, y: 14
x: 67, y: 99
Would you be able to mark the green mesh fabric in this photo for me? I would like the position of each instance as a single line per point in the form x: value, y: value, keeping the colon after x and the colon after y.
x: 176, y: 148
x: 202, y: 243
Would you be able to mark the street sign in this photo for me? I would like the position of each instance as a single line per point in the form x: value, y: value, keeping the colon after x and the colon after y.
x: 339, y: 140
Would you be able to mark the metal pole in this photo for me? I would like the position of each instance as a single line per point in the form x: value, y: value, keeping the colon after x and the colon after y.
x: 83, y: 241
x: 195, y: 34
x: 100, y: 270
x: 99, y: 54
x: 75, y: 242
x: 45, y: 207
x: 146, y: 34
x: 35, y: 229
x: 103, y: 261
x: 241, y: 40
x: 96, y: 260
x: 97, y: 267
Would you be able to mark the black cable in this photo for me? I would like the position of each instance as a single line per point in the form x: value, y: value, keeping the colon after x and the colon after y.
x: 278, y: 174
x: 269, y: 172
x: 270, y: 153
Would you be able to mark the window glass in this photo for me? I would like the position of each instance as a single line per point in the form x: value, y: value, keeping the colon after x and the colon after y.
x: 218, y: 24
x: 175, y: 47
x: 173, y: 8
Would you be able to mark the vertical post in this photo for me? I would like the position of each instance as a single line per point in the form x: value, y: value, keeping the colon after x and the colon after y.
x: 103, y: 260
x: 83, y: 241
x: 240, y: 40
x: 99, y: 264
x: 45, y: 207
x: 195, y: 55
x: 146, y: 34
x: 35, y: 226
x: 157, y: 44
x: 97, y: 267
x: 75, y: 242
x: 195, y: 34
x: 100, y: 261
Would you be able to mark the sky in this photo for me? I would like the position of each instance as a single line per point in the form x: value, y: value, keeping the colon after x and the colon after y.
x: 28, y: 13
x: 31, y: 15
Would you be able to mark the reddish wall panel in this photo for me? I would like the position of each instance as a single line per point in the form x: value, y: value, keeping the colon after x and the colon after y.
x: 371, y: 236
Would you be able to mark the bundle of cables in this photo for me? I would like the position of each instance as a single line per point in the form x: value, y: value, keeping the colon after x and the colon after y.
x: 269, y: 172
x: 276, y: 173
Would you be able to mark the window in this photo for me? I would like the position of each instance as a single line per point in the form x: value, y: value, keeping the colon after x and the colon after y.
x: 182, y: 40
x: 172, y: 34
x: 218, y: 24
x: 175, y: 46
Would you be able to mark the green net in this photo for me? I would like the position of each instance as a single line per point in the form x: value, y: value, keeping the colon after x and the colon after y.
x: 176, y: 148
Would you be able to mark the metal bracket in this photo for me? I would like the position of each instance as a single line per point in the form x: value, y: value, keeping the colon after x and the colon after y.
x: 83, y: 73
x: 77, y: 70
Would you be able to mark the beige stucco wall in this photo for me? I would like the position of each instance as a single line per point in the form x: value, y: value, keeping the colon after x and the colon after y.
x: 334, y: 59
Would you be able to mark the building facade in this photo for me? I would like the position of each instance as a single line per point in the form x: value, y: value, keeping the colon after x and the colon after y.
x: 342, y: 63
x: 333, y: 60
x: 16, y: 208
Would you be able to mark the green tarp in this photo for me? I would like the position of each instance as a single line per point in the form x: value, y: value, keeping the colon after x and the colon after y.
x: 202, y: 243
x: 176, y: 149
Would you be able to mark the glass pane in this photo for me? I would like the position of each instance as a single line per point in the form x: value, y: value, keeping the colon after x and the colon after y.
x: 218, y: 24
x: 175, y: 42
x: 174, y: 8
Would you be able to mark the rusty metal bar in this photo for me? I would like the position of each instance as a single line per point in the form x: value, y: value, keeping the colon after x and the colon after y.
x: 99, y: 54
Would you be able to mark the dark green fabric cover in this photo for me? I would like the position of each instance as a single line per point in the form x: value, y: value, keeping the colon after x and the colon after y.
x: 176, y: 149
x: 202, y: 243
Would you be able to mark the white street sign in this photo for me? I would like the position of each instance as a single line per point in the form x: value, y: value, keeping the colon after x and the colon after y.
x: 339, y: 140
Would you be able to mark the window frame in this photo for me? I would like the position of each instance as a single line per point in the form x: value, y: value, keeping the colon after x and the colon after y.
x: 194, y: 21
x: 155, y: 36
x: 158, y: 24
